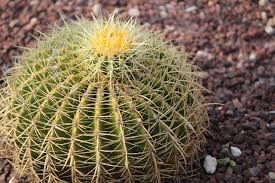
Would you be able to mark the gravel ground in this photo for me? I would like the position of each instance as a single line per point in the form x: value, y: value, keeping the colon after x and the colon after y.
x: 232, y: 40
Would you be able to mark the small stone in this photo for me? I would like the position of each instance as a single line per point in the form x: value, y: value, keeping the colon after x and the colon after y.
x: 235, y: 151
x: 210, y: 164
x: 238, y: 139
x: 31, y: 24
x: 170, y: 28
x: 252, y: 56
x: 237, y: 103
x: 229, y: 112
x: 270, y: 137
x: 262, y: 2
x: 271, y: 87
x: 34, y: 2
x: 271, y: 126
x: 225, y: 151
x: 271, y: 22
x: 202, y: 54
x: 13, y: 23
x: 3, y: 178
x: 133, y: 12
x: 80, y: 2
x: 227, y: 145
x: 254, y: 171
x: 229, y: 173
x: 211, y: 3
x: 271, y: 175
x: 269, y: 30
x: 163, y: 14
x: 146, y: 24
x: 97, y: 9
x: 264, y: 16
x: 262, y: 157
x: 202, y: 15
x: 191, y: 9
x: 272, y: 165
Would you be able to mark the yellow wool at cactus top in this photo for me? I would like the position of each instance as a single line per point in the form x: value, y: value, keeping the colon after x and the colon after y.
x: 111, y: 40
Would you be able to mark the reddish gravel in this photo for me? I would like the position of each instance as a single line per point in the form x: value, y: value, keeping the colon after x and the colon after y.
x: 231, y: 40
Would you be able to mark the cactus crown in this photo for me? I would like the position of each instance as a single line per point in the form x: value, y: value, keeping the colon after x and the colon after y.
x: 111, y: 39
x: 103, y: 101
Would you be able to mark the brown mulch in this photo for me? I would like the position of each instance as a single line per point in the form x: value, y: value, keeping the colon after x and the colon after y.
x: 227, y: 39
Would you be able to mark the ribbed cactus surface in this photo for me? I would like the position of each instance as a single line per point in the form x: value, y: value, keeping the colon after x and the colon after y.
x: 103, y: 101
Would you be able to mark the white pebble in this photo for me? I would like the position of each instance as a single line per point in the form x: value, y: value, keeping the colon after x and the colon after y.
x: 271, y: 175
x: 262, y: 2
x: 133, y: 12
x: 13, y: 23
x: 269, y: 30
x: 236, y: 152
x: 146, y: 24
x: 163, y: 13
x: 210, y: 164
x: 202, y: 53
x: 191, y: 8
x: 252, y: 56
x: 264, y: 16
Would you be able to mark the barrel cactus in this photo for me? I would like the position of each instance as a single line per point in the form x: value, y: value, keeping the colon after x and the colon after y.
x: 103, y: 101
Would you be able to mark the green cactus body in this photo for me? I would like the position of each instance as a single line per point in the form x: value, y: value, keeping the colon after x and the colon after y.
x: 104, y: 101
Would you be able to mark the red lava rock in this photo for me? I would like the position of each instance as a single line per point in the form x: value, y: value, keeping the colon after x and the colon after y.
x: 3, y: 178
x: 230, y: 44
x: 272, y: 165
x: 270, y: 137
x: 238, y: 139
x: 254, y: 171
x: 271, y: 22
x: 213, y: 180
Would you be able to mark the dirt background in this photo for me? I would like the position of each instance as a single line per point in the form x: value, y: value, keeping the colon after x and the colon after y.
x: 233, y: 41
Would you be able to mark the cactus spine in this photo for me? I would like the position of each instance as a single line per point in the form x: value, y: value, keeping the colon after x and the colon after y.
x: 103, y: 101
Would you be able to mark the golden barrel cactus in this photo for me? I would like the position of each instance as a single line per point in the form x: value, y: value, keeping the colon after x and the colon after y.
x: 103, y: 101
